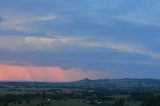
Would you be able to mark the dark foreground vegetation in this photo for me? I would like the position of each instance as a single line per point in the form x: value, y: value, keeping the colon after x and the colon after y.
x: 126, y: 92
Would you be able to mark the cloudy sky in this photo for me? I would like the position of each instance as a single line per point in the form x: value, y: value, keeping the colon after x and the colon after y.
x: 66, y: 40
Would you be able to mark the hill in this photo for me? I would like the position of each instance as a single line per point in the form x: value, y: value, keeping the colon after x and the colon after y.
x: 87, y: 83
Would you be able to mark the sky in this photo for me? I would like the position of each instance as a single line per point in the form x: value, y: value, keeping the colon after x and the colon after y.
x: 68, y: 40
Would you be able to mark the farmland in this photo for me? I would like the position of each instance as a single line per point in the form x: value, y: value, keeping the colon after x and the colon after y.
x: 78, y: 94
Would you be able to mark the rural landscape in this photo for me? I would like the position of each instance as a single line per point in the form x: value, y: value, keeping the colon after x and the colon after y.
x: 79, y: 52
x: 86, y: 92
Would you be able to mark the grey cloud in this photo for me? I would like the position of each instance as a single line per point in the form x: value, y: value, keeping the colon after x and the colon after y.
x: 76, y: 58
x: 1, y: 19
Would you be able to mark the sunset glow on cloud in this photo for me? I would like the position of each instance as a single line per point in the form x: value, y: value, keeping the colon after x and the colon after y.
x: 32, y: 73
x: 41, y: 41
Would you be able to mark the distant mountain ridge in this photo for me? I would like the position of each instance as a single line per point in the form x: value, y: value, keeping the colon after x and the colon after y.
x: 103, y: 83
x: 118, y: 83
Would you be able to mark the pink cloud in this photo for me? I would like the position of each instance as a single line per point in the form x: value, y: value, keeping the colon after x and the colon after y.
x: 33, y: 73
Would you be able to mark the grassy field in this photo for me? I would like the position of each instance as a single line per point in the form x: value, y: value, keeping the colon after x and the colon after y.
x: 49, y: 103
x: 78, y: 97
